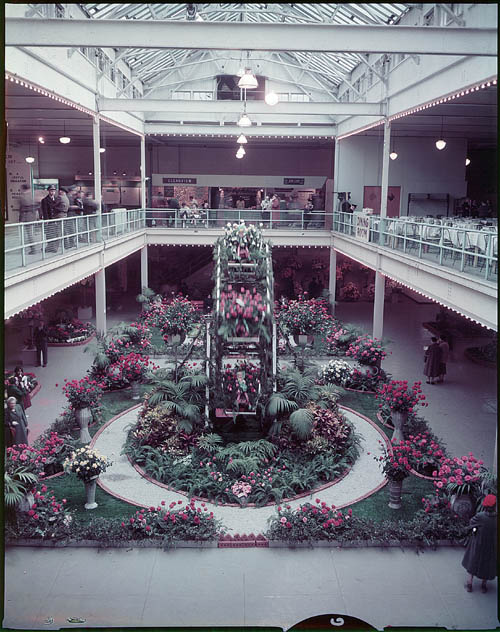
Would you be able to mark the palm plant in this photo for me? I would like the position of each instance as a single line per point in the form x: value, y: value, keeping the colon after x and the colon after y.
x: 146, y: 295
x: 183, y: 397
x: 16, y: 484
x: 99, y: 348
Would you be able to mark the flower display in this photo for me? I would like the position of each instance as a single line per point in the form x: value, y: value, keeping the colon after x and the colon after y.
x: 241, y: 379
x: 242, y: 242
x: 459, y: 475
x: 395, y: 463
x: 241, y: 489
x: 242, y: 312
x: 366, y: 350
x: 178, y: 316
x: 84, y: 393
x: 26, y: 457
x: 73, y: 330
x: 318, y: 521
x: 35, y: 312
x: 336, y: 372
x: 128, y: 368
x: 48, y: 517
x: 399, y: 397
x: 426, y: 453
x: 303, y: 316
x: 86, y: 463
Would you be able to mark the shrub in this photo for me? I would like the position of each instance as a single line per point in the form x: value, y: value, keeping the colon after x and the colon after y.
x: 459, y: 475
x: 303, y: 316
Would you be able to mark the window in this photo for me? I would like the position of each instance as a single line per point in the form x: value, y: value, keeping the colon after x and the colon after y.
x: 284, y: 96
x: 299, y: 97
x: 181, y: 95
x: 202, y: 95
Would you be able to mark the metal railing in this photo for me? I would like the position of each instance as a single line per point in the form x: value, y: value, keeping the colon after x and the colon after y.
x: 470, y: 248
x: 30, y: 242
x: 298, y: 219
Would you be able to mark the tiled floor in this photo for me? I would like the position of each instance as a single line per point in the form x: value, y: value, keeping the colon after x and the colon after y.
x: 272, y: 586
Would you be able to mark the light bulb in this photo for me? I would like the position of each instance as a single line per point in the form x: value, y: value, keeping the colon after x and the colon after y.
x: 65, y: 140
x: 248, y: 81
x: 102, y: 150
x: 41, y: 139
x: 244, y: 121
x: 241, y: 152
x: 271, y: 98
x: 393, y: 155
x: 440, y: 144
x: 242, y: 139
x: 238, y: 155
x: 467, y: 162
x: 30, y: 159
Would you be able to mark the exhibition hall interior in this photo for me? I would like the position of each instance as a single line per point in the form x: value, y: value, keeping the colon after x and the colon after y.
x: 250, y: 315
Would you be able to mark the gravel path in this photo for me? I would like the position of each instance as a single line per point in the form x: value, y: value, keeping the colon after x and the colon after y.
x: 124, y: 482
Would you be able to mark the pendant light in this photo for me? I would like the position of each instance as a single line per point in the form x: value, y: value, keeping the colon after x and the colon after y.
x: 467, y: 162
x: 244, y: 120
x: 441, y: 144
x: 248, y: 81
x: 242, y: 139
x: 29, y: 159
x: 64, y: 139
x: 271, y: 98
x: 241, y: 152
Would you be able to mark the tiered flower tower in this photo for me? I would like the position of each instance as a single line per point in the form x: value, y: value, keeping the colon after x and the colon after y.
x: 242, y: 348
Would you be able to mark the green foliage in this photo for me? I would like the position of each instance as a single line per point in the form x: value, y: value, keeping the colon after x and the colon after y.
x: 278, y: 405
x: 301, y: 423
x: 299, y: 387
x: 17, y: 484
x: 209, y: 443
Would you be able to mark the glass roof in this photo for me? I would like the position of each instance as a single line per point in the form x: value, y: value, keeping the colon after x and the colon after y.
x: 330, y: 68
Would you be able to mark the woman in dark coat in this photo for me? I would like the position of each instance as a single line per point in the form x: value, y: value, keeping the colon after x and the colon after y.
x: 480, y: 558
x: 15, y: 421
x: 432, y: 359
x: 16, y: 391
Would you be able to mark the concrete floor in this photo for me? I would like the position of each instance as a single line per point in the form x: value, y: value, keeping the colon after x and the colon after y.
x: 272, y: 587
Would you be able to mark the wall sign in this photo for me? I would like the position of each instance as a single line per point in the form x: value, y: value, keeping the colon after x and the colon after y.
x: 299, y: 181
x: 18, y: 173
x: 180, y: 180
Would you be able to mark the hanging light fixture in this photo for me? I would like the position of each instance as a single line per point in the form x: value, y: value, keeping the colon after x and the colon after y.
x: 102, y: 150
x: 441, y: 144
x: 271, y: 98
x: 240, y: 153
x: 393, y: 155
x: 41, y: 139
x: 467, y: 162
x: 242, y: 139
x: 64, y: 139
x: 29, y: 159
x: 244, y: 120
x: 248, y: 81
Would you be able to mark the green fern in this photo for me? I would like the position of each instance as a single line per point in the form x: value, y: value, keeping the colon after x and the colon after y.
x: 278, y: 404
x: 301, y: 423
x: 210, y: 443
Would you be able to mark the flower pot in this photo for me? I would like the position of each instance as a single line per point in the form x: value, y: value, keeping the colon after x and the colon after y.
x: 134, y: 386
x: 463, y: 505
x: 303, y: 340
x: 90, y: 487
x: 395, y: 491
x: 175, y: 340
x: 83, y: 417
x: 398, y: 419
x: 26, y: 503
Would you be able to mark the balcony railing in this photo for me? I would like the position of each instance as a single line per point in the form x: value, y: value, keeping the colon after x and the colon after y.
x: 469, y: 246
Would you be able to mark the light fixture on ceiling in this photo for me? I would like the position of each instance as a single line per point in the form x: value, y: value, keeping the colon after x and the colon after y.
x: 271, y: 98
x: 248, y: 81
x: 29, y: 159
x: 441, y: 144
x: 241, y: 152
x: 102, y: 150
x: 467, y: 162
x: 64, y: 139
x: 242, y: 139
x: 41, y: 139
x: 393, y: 155
x: 244, y: 121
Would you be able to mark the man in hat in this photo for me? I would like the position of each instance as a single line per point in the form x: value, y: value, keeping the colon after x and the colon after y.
x: 47, y: 207
x: 61, y: 212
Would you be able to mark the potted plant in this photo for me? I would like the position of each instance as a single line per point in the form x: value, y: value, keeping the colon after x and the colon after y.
x: 401, y: 400
x: 303, y: 318
x: 242, y: 243
x: 84, y: 397
x: 336, y: 372
x: 241, y: 489
x: 396, y: 467
x: 460, y: 478
x: 350, y: 292
x: 178, y: 317
x: 129, y: 369
x: 87, y: 464
x: 366, y: 350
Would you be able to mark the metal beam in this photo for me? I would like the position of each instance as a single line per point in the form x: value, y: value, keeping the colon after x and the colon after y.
x: 422, y: 40
x: 326, y: 108
x: 268, y: 131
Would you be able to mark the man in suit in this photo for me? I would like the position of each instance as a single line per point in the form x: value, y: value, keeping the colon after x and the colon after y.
x: 28, y: 213
x: 61, y: 212
x: 47, y: 207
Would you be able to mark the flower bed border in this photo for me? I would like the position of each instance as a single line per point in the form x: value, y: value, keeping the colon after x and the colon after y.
x: 356, y: 390
x: 214, y: 544
x: 71, y: 344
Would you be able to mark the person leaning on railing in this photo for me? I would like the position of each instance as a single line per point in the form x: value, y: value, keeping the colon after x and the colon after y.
x: 47, y: 207
x: 28, y: 212
x: 90, y: 208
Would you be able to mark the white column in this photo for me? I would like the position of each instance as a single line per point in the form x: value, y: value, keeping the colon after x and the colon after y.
x: 336, y: 165
x: 385, y: 179
x: 143, y: 172
x: 144, y: 267
x: 97, y: 171
x: 100, y: 300
x: 378, y: 306
x: 332, y: 279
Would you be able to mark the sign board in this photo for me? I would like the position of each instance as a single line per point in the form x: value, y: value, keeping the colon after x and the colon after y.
x: 298, y: 181
x: 180, y: 180
x: 362, y: 226
x: 18, y: 173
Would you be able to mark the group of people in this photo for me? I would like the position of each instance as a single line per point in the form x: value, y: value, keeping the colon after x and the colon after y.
x: 435, y: 360
x: 18, y: 400
x: 475, y: 208
x: 57, y: 204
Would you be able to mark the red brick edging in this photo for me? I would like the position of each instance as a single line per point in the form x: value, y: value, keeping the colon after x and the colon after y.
x: 140, y: 471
